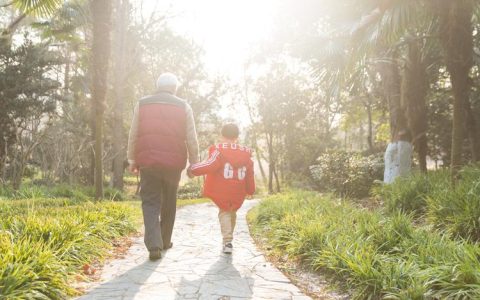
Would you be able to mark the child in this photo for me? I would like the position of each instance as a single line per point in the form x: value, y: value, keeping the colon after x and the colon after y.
x: 229, y: 170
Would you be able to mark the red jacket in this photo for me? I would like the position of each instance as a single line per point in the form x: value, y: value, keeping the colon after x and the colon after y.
x: 230, y: 176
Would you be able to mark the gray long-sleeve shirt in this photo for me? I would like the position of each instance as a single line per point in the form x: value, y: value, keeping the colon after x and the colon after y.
x: 191, y: 136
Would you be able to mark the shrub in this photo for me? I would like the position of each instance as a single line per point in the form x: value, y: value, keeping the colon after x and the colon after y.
x: 453, y: 208
x: 75, y: 192
x: 376, y: 256
x: 409, y: 194
x: 457, y: 208
x: 45, y: 242
x: 347, y: 174
x: 191, y: 190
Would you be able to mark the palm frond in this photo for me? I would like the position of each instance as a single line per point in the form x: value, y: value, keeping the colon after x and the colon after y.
x: 38, y: 7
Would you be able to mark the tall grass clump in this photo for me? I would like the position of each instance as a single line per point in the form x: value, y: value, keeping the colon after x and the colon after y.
x: 44, y: 243
x: 456, y: 208
x: 80, y: 193
x: 409, y: 194
x: 376, y: 255
x: 453, y: 208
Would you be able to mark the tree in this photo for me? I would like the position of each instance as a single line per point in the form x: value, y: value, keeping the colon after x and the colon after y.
x: 414, y: 93
x: 119, y: 153
x: 455, y: 30
x: 456, y: 36
x: 28, y: 7
x: 289, y: 124
x: 28, y: 103
x: 101, y: 15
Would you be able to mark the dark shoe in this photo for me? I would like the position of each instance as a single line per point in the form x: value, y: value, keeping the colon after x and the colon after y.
x: 155, y: 254
x: 228, y: 248
x: 168, y: 247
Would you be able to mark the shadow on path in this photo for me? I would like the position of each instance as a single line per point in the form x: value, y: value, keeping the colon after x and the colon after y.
x: 125, y: 286
x: 221, y: 281
x: 195, y: 268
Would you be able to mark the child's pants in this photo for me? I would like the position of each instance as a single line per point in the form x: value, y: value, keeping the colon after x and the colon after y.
x: 227, y: 224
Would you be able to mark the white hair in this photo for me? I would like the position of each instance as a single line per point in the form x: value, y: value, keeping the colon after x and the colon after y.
x: 167, y: 82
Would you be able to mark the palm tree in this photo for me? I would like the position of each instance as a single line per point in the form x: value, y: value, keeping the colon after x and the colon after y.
x: 29, y: 7
x: 380, y: 43
x: 455, y: 32
x: 101, y: 14
x: 456, y: 37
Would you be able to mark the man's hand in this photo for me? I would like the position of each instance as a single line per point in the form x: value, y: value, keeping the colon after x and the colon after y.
x: 133, y: 169
x: 189, y: 172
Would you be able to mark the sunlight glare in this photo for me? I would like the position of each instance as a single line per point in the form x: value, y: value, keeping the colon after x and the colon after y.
x: 226, y: 29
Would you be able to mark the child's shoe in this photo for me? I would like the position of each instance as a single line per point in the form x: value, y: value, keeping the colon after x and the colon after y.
x: 228, y: 248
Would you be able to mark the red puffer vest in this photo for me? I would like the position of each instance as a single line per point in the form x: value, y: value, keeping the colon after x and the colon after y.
x: 162, y: 132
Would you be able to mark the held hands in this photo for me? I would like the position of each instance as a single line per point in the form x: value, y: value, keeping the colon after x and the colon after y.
x: 189, y: 172
x: 133, y: 169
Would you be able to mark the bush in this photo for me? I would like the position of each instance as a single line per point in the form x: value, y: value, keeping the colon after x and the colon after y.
x: 347, y: 174
x: 409, y: 194
x: 191, y: 190
x: 44, y: 243
x: 376, y: 256
x: 457, y: 208
x: 80, y: 193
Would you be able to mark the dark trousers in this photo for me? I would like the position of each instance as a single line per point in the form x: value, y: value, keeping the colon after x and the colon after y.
x: 158, y: 190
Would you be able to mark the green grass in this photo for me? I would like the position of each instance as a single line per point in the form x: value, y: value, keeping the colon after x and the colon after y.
x: 45, y: 242
x: 81, y: 193
x: 409, y: 194
x: 47, y: 234
x: 373, y: 255
x: 451, y: 208
x: 184, y: 202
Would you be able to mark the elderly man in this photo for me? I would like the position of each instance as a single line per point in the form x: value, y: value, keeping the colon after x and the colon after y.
x: 162, y: 137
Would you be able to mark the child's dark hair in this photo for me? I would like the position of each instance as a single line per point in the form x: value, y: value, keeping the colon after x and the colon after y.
x: 230, y: 131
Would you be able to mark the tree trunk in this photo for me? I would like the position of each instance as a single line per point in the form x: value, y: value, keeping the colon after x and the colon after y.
x: 391, y: 81
x: 119, y: 88
x: 277, y: 181
x: 456, y: 36
x: 473, y: 132
x: 260, y: 166
x: 66, y: 78
x: 414, y: 92
x: 101, y: 15
x: 370, y: 126
x: 254, y: 133
x: 271, y: 163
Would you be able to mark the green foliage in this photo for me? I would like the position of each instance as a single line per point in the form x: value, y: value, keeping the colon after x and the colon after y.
x: 45, y: 242
x: 191, y: 190
x: 27, y: 92
x: 37, y: 7
x: 455, y: 209
x: 408, y: 194
x: 347, y: 174
x: 77, y: 193
x: 290, y: 122
x: 377, y: 256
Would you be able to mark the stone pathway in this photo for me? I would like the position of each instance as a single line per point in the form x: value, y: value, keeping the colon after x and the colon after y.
x: 195, y: 268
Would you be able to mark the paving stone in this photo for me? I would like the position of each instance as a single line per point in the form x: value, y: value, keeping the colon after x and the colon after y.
x: 195, y: 268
